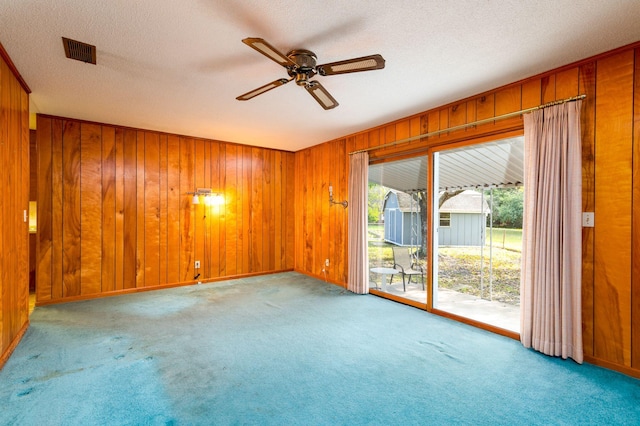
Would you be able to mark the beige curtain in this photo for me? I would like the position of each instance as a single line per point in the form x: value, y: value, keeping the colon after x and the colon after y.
x: 550, y: 293
x: 358, y: 278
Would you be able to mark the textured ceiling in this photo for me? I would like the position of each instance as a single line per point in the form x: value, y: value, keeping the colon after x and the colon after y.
x: 177, y: 65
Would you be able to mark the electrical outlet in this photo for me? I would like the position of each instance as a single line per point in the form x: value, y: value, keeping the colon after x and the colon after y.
x: 326, y: 262
x: 197, y: 264
x: 587, y: 219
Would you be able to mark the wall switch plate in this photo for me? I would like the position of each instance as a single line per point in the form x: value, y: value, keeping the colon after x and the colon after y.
x: 197, y: 264
x: 587, y: 219
x: 326, y: 262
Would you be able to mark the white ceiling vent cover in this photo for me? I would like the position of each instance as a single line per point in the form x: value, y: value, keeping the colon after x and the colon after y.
x: 79, y: 51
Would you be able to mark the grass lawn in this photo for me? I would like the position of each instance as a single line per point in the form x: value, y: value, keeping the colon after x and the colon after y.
x: 510, y: 239
x: 461, y: 268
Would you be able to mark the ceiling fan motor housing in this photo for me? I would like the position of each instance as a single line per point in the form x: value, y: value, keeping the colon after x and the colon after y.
x: 305, y: 68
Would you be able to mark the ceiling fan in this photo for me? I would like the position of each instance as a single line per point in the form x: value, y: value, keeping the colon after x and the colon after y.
x: 301, y: 66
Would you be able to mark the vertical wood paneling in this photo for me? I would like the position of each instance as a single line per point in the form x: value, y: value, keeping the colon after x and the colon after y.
x: 218, y: 214
x: 119, y: 209
x: 322, y: 231
x: 140, y: 209
x: 255, y: 254
x: 567, y: 83
x: 200, y: 211
x: 231, y: 206
x: 614, y: 113
x: 57, y: 254
x: 587, y: 85
x: 415, y: 126
x: 278, y: 247
x: 635, y: 237
x: 22, y: 280
x: 531, y: 93
x: 485, y: 107
x: 341, y: 227
x: 333, y: 249
x: 548, y: 88
x: 14, y: 237
x: 291, y: 209
x: 457, y: 114
x: 508, y: 100
x: 151, y: 209
x: 108, y: 209
x: 163, y: 211
x: 186, y: 209
x: 267, y: 232
x: 130, y: 219
x: 91, y: 208
x: 175, y: 198
x: 247, y: 230
x: 71, y: 221
x: 45, y: 226
x: 403, y: 129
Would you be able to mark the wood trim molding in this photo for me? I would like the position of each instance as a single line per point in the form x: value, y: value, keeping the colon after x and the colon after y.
x: 5, y: 356
x: 633, y: 372
x: 478, y: 324
x: 5, y: 56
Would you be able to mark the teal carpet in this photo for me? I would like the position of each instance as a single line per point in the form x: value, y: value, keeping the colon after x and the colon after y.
x: 288, y: 349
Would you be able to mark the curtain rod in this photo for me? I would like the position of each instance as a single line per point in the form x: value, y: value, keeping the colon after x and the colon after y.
x: 474, y: 123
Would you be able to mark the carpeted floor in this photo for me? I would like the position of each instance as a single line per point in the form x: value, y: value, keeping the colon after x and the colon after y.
x: 289, y: 349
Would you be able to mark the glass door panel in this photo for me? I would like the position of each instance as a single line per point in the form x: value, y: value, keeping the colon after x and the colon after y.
x: 396, y: 228
x: 477, y: 242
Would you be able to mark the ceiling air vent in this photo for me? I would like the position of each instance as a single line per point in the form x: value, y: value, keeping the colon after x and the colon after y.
x: 79, y: 51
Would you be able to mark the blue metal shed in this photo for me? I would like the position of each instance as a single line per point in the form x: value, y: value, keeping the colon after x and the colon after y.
x: 402, y: 225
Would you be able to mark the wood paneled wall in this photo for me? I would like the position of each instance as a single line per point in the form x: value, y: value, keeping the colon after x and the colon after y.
x: 320, y: 227
x: 14, y: 199
x: 611, y: 186
x: 114, y: 214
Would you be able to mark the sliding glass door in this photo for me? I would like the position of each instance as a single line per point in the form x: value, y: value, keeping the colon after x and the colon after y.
x: 477, y: 241
x: 397, y: 222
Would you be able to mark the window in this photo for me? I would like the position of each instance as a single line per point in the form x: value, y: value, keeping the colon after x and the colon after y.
x: 445, y: 220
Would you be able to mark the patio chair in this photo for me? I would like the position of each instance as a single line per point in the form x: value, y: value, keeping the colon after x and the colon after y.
x: 408, y: 266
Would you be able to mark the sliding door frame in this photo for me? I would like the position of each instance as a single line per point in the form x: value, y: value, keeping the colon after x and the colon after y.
x: 431, y: 146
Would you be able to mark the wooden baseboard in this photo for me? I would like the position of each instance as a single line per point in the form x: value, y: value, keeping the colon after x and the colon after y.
x: 633, y: 372
x: 151, y: 288
x: 321, y: 278
x: 7, y: 353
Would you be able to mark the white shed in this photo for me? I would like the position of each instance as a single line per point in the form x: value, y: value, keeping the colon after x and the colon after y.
x: 463, y: 219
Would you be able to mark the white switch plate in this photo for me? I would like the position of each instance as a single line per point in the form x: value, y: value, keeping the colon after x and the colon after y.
x: 197, y: 264
x: 587, y: 219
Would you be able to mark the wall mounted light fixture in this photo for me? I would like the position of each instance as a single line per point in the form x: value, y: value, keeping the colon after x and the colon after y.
x: 342, y: 203
x: 210, y: 198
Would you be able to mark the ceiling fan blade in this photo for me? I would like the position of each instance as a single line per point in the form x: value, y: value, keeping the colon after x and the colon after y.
x: 268, y: 50
x: 321, y: 95
x: 262, y: 89
x: 366, y: 63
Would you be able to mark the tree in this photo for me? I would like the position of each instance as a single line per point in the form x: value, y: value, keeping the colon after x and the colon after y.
x: 421, y: 198
x: 376, y: 202
x: 507, y: 207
